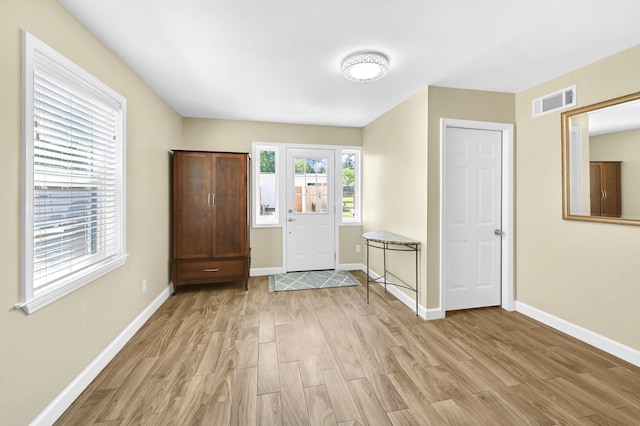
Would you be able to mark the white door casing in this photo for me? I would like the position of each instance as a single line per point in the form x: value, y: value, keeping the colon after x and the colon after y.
x: 310, y: 210
x: 476, y: 266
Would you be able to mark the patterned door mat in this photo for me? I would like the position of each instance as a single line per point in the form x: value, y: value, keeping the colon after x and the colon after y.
x: 311, y: 279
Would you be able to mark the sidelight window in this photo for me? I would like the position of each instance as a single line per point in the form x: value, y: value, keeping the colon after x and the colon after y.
x: 351, y: 191
x: 266, y: 182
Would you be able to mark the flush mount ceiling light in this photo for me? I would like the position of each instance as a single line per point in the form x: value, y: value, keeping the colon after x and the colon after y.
x: 365, y: 67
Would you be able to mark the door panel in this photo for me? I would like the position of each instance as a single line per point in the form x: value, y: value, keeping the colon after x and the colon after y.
x: 310, y: 210
x: 471, y: 215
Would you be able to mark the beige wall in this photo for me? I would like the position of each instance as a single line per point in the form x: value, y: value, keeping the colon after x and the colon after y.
x: 226, y: 135
x: 585, y: 273
x: 458, y: 104
x: 395, y: 182
x: 401, y: 152
x: 43, y: 352
x: 625, y: 147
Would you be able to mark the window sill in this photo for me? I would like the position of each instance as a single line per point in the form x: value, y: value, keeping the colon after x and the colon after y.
x: 41, y: 300
x: 266, y: 225
x: 350, y: 224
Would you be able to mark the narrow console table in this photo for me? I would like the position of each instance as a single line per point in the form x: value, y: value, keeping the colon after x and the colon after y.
x: 388, y: 241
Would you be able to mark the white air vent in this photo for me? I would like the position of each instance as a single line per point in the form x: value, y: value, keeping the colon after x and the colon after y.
x: 555, y: 101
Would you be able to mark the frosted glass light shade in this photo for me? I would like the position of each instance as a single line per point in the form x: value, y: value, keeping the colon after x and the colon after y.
x: 365, y: 67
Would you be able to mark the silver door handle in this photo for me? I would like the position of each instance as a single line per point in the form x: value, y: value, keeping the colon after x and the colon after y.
x: 498, y: 232
x: 291, y: 219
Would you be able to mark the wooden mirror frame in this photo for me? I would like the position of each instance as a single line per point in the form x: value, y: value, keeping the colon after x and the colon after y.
x: 566, y: 184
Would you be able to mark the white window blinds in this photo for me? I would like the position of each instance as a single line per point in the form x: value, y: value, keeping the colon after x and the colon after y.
x: 75, y: 178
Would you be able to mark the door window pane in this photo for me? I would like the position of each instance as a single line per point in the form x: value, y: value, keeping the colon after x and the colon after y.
x: 311, y: 186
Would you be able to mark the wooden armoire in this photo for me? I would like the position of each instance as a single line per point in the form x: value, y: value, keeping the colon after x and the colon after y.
x: 210, y: 218
x: 606, y: 197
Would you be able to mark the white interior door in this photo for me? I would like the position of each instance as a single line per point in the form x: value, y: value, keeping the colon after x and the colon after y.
x: 472, y: 190
x: 310, y: 226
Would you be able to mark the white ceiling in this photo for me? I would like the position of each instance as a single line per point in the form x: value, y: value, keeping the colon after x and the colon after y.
x: 616, y: 118
x: 280, y: 60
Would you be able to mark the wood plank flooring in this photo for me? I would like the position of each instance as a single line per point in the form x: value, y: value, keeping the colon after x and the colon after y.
x: 221, y: 355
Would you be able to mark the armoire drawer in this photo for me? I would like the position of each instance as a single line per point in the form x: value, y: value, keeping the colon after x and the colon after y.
x: 209, y: 270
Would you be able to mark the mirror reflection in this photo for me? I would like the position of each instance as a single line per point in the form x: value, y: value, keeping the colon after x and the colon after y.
x: 601, y: 159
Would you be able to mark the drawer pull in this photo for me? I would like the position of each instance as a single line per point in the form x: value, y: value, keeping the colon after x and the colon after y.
x: 212, y: 270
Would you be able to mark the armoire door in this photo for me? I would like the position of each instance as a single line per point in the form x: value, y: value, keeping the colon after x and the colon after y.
x: 192, y: 192
x: 595, y: 177
x: 611, y: 204
x: 229, y: 205
x: 605, y: 188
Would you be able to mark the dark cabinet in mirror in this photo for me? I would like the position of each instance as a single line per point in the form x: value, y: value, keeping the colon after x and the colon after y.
x: 601, y: 161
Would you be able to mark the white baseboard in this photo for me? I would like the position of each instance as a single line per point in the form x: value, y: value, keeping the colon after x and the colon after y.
x: 351, y: 267
x: 80, y: 383
x: 259, y: 272
x: 594, y: 339
x: 428, y: 314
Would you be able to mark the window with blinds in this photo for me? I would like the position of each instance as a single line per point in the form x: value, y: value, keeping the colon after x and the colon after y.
x: 74, y: 176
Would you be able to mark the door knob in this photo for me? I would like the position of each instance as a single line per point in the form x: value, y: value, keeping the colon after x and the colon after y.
x: 291, y: 219
x: 498, y: 232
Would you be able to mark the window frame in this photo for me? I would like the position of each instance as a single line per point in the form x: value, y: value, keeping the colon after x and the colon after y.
x: 36, y: 54
x: 256, y: 149
x: 357, y: 186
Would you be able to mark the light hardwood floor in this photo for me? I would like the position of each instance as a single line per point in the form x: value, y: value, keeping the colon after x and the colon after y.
x: 221, y: 356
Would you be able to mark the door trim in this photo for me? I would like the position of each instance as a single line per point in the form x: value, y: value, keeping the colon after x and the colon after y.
x: 507, y: 248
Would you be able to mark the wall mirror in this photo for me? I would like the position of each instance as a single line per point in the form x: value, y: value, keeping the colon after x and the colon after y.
x: 601, y: 162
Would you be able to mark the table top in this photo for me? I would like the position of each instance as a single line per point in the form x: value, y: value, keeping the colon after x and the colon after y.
x: 389, y: 237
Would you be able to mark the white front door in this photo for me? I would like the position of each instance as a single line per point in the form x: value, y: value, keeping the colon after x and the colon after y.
x: 310, y: 226
x: 472, y: 217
